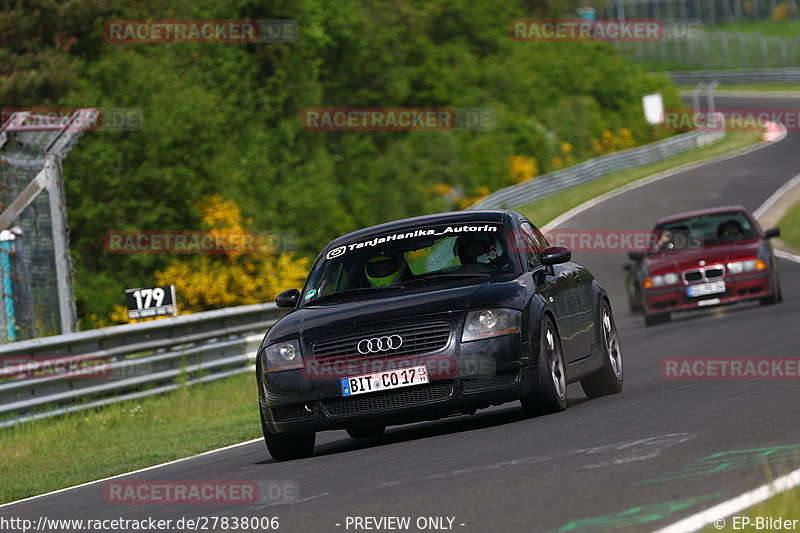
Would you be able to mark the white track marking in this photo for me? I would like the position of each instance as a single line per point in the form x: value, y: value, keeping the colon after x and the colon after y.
x: 787, y: 482
x: 209, y: 452
x: 734, y: 505
x: 787, y: 256
x: 763, y: 208
x: 575, y: 211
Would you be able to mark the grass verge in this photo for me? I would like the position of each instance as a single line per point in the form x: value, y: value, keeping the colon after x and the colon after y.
x: 58, y: 452
x: 790, y: 227
x: 545, y: 210
x: 787, y: 28
x: 53, y: 453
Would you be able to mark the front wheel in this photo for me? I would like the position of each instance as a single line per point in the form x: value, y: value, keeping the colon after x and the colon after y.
x: 551, y: 396
x: 609, y: 379
x: 288, y: 447
x: 776, y: 296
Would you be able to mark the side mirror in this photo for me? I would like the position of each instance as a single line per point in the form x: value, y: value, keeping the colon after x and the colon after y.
x: 636, y: 256
x: 770, y: 233
x: 287, y: 298
x: 555, y: 255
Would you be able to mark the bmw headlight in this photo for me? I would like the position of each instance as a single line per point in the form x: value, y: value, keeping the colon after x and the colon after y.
x: 283, y: 356
x: 661, y: 280
x: 737, y: 267
x: 491, y: 322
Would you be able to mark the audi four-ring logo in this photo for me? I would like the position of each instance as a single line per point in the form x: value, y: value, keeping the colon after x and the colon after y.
x: 380, y: 344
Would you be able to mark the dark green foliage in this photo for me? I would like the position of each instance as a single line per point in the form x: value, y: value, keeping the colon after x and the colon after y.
x: 224, y: 118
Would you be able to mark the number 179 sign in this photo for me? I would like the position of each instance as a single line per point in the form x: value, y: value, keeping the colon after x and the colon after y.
x: 155, y: 301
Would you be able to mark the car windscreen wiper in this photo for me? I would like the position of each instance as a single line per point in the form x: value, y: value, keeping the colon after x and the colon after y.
x: 356, y: 290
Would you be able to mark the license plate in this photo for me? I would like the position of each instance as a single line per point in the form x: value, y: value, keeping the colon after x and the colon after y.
x: 713, y: 287
x: 387, y: 380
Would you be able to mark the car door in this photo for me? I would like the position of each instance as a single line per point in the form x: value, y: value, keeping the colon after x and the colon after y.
x: 554, y: 285
x: 570, y: 287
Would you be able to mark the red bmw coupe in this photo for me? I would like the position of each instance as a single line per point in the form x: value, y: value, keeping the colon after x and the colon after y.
x: 702, y: 258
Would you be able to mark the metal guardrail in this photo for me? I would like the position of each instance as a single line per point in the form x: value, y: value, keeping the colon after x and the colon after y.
x: 737, y: 77
x: 63, y: 373
x: 560, y: 180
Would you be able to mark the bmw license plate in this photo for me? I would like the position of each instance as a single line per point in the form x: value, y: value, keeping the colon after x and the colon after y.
x: 714, y: 287
x: 387, y: 380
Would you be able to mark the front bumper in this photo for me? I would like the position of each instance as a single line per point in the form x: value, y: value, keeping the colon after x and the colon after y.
x: 737, y: 289
x: 464, y: 378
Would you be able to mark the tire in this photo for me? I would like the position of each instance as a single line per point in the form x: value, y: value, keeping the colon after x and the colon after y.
x: 775, y: 297
x: 366, y: 432
x: 610, y: 378
x: 655, y: 319
x: 551, y: 395
x: 288, y: 447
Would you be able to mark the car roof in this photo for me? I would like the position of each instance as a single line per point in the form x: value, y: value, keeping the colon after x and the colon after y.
x: 497, y: 216
x: 700, y: 212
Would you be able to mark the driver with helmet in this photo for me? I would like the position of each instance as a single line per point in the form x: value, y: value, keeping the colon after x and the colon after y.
x: 383, y: 270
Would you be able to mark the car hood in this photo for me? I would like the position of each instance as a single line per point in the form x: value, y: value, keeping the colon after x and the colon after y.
x: 362, y: 312
x: 714, y: 254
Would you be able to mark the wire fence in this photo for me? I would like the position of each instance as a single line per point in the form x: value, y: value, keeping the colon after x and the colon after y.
x: 28, y: 274
x: 715, y: 49
x: 710, y: 12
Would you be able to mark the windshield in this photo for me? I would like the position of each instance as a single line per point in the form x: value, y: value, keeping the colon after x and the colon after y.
x: 396, y: 260
x: 700, y: 231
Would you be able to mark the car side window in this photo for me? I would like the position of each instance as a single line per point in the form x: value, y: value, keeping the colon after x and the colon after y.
x: 533, y: 243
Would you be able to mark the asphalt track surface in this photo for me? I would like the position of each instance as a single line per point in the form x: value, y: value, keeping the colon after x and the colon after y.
x: 637, y: 461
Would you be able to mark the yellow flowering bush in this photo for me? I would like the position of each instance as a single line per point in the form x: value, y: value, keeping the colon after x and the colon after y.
x: 522, y: 168
x: 236, y: 277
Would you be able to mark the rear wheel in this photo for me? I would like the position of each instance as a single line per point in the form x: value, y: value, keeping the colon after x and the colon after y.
x: 658, y: 318
x: 366, y: 432
x: 609, y: 379
x: 551, y: 396
x: 288, y: 447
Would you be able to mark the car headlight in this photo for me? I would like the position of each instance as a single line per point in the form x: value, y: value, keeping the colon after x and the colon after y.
x: 661, y: 280
x: 490, y: 322
x: 283, y: 356
x: 737, y: 267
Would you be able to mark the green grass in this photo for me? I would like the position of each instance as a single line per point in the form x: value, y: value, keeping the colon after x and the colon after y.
x: 53, y: 453
x: 790, y: 227
x: 547, y: 209
x: 58, y: 452
x: 788, y: 28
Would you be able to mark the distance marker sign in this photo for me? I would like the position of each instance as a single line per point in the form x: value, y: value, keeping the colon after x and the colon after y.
x: 150, y: 302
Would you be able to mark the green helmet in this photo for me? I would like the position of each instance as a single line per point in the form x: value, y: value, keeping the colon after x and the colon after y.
x: 383, y: 270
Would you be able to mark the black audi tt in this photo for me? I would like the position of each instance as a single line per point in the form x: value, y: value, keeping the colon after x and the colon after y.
x: 429, y: 317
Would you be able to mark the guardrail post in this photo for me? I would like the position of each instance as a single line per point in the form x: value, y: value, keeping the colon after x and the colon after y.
x: 55, y: 193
